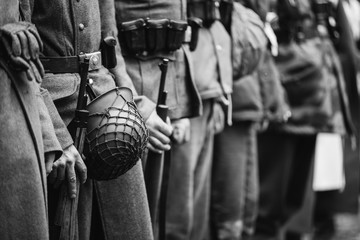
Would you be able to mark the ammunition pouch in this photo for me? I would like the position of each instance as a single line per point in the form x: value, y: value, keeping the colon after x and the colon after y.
x: 195, y: 24
x: 226, y: 8
x: 206, y: 10
x: 151, y: 36
x: 108, y: 53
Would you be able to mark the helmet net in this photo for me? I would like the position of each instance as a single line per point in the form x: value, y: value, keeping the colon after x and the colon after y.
x: 117, y: 142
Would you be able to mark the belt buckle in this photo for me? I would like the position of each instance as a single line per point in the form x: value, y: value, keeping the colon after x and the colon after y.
x: 95, y: 61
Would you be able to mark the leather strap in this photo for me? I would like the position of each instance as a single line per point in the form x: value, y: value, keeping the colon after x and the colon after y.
x: 71, y: 64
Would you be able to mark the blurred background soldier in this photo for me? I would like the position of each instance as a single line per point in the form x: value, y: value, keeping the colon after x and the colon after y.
x: 115, y: 209
x: 28, y: 144
x: 150, y: 31
x: 312, y: 78
x: 341, y: 21
x: 257, y: 98
x: 189, y: 187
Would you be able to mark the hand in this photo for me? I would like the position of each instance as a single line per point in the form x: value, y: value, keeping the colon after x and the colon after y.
x: 219, y: 118
x: 22, y: 44
x: 49, y: 161
x: 65, y: 166
x: 159, y: 132
x: 181, y: 133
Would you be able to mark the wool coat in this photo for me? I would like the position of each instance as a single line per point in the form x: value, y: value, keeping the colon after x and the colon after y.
x: 26, y: 134
x: 69, y: 28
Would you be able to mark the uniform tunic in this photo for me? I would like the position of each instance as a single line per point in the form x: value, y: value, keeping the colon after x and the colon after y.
x: 70, y: 28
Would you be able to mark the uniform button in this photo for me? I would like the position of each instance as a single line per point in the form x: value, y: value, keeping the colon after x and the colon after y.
x: 81, y: 26
x: 218, y: 47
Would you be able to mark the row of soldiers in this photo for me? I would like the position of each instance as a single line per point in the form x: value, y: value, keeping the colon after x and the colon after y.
x: 250, y: 84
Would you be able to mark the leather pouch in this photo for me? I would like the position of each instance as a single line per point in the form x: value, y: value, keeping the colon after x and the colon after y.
x: 206, y: 10
x: 133, y: 35
x: 156, y: 34
x: 176, y: 34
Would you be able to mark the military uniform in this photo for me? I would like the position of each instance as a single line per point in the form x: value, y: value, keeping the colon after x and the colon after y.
x: 142, y: 66
x: 313, y: 81
x: 115, y: 209
x: 189, y: 186
x: 257, y: 98
x: 26, y: 135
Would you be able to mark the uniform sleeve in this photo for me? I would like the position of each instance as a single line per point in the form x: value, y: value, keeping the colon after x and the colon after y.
x: 51, y: 143
x: 109, y: 28
x: 61, y: 130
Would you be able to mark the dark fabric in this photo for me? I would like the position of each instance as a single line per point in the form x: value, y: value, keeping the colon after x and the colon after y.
x: 257, y: 91
x: 347, y: 200
x: 188, y: 203
x: 311, y: 76
x: 284, y: 166
x: 22, y: 174
x: 212, y: 62
x: 234, y: 188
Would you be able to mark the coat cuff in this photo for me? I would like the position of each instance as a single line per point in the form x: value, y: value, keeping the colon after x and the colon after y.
x: 50, y: 141
x: 145, y: 106
x: 61, y: 130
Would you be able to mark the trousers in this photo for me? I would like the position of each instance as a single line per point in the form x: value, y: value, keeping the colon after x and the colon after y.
x: 234, y: 190
x: 189, y: 184
x: 285, y: 162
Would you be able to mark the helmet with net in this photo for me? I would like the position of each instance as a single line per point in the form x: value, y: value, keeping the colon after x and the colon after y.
x: 116, y: 135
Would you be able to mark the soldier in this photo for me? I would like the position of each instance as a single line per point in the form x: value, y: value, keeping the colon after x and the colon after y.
x: 311, y: 76
x: 115, y: 209
x: 257, y: 99
x: 150, y: 31
x: 190, y: 175
x: 28, y: 144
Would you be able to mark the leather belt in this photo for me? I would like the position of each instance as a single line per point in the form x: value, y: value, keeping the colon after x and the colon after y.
x: 71, y: 64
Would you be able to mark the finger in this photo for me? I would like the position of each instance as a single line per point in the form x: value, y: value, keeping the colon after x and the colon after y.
x: 39, y: 67
x: 35, y: 71
x: 33, y: 45
x: 49, y: 162
x: 81, y: 170
x: 60, y: 173
x: 30, y: 74
x: 164, y: 128
x: 161, y: 137
x: 37, y: 36
x: 24, y: 45
x: 15, y: 46
x: 158, y: 145
x: 71, y: 178
x: 168, y: 121
x: 153, y: 149
x: 17, y: 61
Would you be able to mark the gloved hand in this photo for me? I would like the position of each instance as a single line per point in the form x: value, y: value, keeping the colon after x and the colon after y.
x: 21, y: 44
